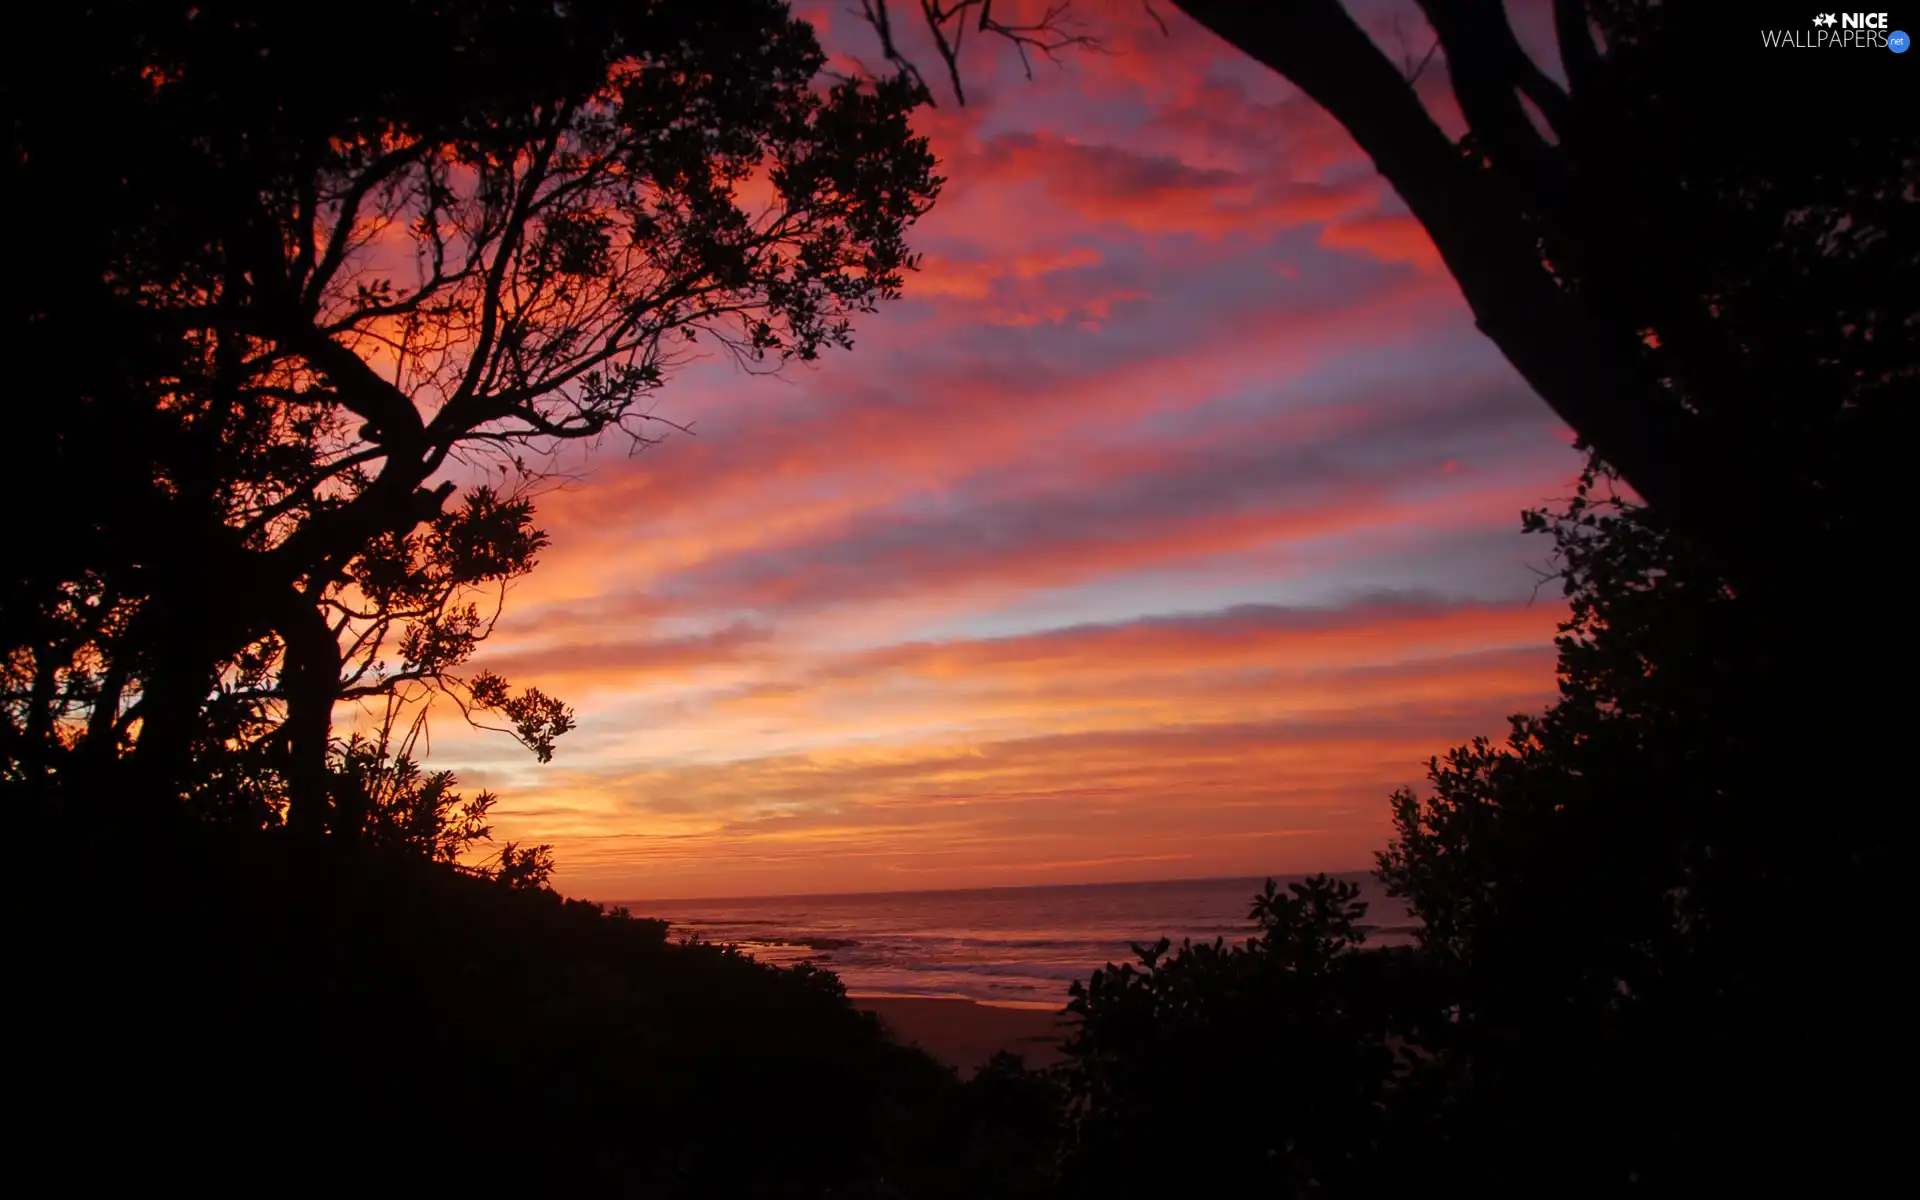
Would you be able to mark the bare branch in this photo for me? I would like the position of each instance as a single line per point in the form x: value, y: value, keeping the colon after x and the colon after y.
x: 876, y: 14
x: 1489, y: 72
x: 1049, y: 35
x: 383, y: 168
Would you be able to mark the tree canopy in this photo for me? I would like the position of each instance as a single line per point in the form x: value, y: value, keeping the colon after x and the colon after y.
x: 321, y: 309
x: 1634, y: 970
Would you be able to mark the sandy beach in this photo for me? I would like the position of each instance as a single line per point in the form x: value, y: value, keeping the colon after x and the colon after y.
x: 964, y: 1034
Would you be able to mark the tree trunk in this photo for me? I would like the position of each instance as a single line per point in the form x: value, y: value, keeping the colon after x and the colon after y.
x: 105, y: 717
x: 1587, y: 366
x: 311, y: 683
x: 40, y: 710
x: 171, y: 699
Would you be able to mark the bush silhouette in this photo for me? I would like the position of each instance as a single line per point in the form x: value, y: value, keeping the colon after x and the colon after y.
x: 246, y: 1011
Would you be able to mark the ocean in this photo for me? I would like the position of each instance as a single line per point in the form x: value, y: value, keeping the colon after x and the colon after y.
x: 1015, y: 947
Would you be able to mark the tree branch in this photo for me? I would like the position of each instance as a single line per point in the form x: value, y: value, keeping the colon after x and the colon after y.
x: 1489, y: 71
x: 390, y: 415
x: 1578, y: 365
x: 340, y: 241
x: 1578, y: 55
x: 948, y: 25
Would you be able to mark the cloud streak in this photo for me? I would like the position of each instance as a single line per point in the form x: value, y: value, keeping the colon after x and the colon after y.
x: 1166, y: 526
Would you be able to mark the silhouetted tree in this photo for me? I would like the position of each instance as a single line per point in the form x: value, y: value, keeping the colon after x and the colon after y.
x: 321, y: 289
x: 1696, y: 252
x: 1700, y: 255
x: 1654, y: 958
x: 407, y: 618
x: 1263, y: 1064
x: 1641, y: 966
x: 348, y: 302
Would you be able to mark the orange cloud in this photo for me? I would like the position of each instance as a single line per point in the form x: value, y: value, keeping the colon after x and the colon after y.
x: 1247, y: 739
x: 1219, y: 799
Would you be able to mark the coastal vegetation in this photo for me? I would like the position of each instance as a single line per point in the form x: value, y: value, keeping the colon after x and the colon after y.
x: 1602, y: 949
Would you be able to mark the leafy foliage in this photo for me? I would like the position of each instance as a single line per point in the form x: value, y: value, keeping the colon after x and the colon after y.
x: 410, y: 810
x: 1599, y: 1000
x: 1275, y: 1052
x: 1621, y: 876
x: 328, y: 312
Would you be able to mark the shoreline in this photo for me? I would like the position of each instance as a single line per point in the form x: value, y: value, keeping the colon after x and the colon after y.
x: 963, y: 1033
x: 1045, y: 1006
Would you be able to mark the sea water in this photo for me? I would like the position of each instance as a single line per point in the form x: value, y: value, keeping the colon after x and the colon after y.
x: 1006, y: 946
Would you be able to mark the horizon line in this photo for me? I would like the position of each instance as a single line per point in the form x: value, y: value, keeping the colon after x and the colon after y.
x: 1003, y: 887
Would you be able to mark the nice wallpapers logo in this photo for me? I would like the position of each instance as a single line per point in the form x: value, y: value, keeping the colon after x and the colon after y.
x: 1839, y: 31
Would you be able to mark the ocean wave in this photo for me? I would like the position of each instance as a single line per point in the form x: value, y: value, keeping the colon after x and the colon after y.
x: 1023, y: 946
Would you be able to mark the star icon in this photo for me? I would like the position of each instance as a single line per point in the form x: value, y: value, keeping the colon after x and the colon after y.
x: 1824, y: 19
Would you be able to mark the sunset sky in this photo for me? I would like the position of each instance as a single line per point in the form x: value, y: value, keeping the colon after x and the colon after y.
x: 1167, y: 525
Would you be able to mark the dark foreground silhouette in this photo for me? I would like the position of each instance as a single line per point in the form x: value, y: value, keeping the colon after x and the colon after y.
x: 250, y: 1012
x: 1647, y: 962
x: 243, y: 953
x: 1634, y: 976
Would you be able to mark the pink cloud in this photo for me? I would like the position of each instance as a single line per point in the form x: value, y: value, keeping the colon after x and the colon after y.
x: 1389, y: 238
x: 1166, y: 330
x: 1154, y: 194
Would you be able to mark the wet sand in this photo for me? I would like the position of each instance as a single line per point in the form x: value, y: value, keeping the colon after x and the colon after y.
x: 964, y: 1034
